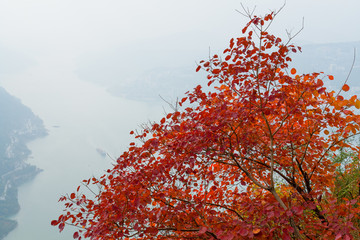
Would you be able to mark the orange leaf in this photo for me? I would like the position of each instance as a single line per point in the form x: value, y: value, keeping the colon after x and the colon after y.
x: 256, y: 231
x: 357, y: 104
x: 331, y: 77
x: 326, y: 132
x: 293, y: 71
x: 346, y: 87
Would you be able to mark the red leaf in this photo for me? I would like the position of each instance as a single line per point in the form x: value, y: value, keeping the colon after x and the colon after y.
x: 76, y: 235
x: 72, y: 195
x: 216, y: 71
x: 202, y: 230
x: 286, y: 236
x: 346, y: 87
x: 352, y: 202
x: 244, y: 232
x: 338, y: 236
x: 288, y: 213
x: 298, y: 210
x: 61, y: 226
x: 54, y: 222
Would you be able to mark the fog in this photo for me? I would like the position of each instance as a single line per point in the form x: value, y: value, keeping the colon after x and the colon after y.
x: 180, y: 32
x: 113, y: 40
x: 97, y: 68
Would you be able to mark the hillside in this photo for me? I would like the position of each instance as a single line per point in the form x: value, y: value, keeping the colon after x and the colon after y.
x: 171, y: 82
x: 18, y: 126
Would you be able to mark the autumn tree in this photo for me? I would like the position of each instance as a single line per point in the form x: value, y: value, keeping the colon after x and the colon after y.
x: 249, y: 158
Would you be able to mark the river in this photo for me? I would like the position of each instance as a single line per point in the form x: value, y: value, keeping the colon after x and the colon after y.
x: 80, y: 117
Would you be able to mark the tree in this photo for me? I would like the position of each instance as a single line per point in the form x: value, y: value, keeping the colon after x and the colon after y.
x: 249, y: 158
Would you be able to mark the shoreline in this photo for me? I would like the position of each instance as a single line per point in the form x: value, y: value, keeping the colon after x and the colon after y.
x: 19, y: 126
x: 9, y: 203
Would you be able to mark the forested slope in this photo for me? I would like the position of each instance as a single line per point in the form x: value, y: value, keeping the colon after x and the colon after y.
x: 18, y: 126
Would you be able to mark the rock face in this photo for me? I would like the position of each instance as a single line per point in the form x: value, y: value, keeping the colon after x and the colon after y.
x: 18, y: 125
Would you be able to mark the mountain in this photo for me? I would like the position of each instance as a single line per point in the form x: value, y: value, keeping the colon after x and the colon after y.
x: 173, y: 81
x: 332, y: 58
x: 19, y: 125
x: 158, y: 84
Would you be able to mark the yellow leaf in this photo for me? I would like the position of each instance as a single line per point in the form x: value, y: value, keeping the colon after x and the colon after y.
x: 357, y: 104
x: 256, y: 231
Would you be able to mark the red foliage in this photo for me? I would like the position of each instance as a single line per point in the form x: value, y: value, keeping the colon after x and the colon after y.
x: 248, y: 159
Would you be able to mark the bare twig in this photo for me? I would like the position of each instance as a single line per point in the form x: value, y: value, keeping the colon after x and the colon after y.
x: 348, y: 76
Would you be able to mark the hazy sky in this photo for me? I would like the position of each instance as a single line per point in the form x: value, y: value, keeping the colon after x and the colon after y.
x: 110, y: 40
x: 82, y: 26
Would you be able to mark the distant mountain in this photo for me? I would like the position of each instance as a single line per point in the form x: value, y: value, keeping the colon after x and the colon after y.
x: 159, y: 84
x: 171, y: 82
x: 18, y: 125
x: 334, y: 59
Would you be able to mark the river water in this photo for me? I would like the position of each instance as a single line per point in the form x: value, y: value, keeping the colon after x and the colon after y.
x: 80, y: 117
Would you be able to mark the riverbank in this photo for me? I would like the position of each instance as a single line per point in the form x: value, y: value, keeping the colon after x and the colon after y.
x: 18, y: 127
